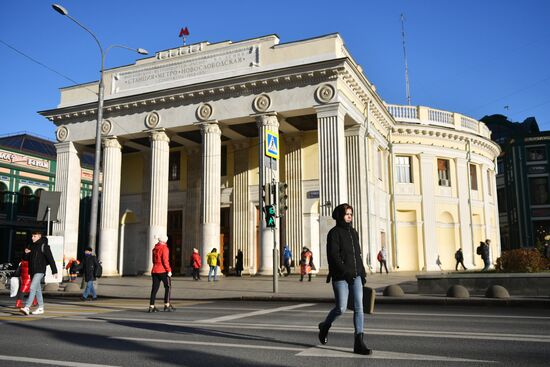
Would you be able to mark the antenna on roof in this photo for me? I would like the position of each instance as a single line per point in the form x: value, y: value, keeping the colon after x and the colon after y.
x: 408, y: 90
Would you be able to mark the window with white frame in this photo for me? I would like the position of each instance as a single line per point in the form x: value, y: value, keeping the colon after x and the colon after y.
x: 403, y: 169
x: 473, y: 177
x: 443, y: 172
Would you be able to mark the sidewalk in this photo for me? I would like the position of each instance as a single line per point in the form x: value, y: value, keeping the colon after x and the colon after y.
x: 289, y: 289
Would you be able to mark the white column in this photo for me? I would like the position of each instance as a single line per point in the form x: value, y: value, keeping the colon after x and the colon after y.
x: 357, y: 182
x: 67, y: 181
x: 210, y: 189
x: 428, y: 185
x: 466, y: 240
x: 496, y: 240
x: 489, y: 229
x: 110, y: 204
x: 269, y: 170
x: 158, y: 210
x: 332, y: 169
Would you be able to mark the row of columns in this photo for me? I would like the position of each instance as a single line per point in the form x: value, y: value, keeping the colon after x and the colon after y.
x: 333, y: 159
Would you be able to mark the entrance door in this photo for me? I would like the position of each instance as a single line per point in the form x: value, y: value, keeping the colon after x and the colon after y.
x: 175, y: 240
x: 225, y: 249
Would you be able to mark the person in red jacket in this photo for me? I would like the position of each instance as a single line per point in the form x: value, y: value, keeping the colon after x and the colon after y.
x: 196, y: 264
x: 24, y: 283
x: 161, y: 272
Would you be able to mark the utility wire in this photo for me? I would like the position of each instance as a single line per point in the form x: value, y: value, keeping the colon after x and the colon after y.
x: 38, y: 62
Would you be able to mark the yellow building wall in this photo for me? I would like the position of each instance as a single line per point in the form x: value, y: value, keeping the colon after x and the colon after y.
x: 310, y: 156
x: 131, y: 174
x: 446, y: 237
x: 408, y: 240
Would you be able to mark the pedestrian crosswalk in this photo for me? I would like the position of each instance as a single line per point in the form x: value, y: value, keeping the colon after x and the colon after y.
x: 70, y: 308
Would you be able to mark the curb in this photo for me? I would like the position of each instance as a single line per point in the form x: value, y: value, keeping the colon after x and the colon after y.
x: 380, y: 300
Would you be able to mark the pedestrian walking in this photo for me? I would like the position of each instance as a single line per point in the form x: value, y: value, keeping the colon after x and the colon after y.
x: 213, y: 260
x: 161, y: 272
x: 72, y: 268
x: 483, y: 251
x: 24, y: 282
x: 438, y: 263
x: 546, y: 248
x: 195, y: 263
x: 287, y: 259
x: 239, y: 263
x: 459, y: 257
x: 347, y: 272
x: 382, y: 257
x: 88, y: 267
x: 40, y: 256
x: 306, y: 264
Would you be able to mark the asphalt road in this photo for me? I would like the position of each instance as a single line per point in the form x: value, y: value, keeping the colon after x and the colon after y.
x: 115, y: 332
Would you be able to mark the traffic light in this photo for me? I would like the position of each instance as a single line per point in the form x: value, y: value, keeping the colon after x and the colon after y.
x: 282, y: 198
x: 268, y: 194
x: 269, y: 216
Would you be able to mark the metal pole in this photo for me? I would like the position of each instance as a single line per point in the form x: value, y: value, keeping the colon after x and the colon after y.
x: 97, y: 162
x: 48, y: 222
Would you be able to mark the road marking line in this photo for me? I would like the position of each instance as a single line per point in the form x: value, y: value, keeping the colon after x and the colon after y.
x: 463, y: 315
x: 203, y: 343
x: 254, y: 313
x: 51, y: 362
x: 338, y: 352
x: 334, y: 329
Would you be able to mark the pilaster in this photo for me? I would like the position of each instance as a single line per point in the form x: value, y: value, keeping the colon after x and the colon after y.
x: 357, y: 182
x: 465, y: 213
x: 428, y: 183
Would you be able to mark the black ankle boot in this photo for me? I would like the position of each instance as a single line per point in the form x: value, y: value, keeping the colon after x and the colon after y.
x: 359, y: 346
x: 323, y: 333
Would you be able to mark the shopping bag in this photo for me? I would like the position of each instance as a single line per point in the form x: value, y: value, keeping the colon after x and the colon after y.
x: 369, y: 297
x: 14, y: 286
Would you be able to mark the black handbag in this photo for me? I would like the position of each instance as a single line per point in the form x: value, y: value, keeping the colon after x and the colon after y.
x: 369, y: 298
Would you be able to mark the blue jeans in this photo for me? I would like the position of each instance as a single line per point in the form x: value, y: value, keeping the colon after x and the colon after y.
x: 89, y: 290
x: 341, y: 290
x: 213, y: 268
x: 36, y: 290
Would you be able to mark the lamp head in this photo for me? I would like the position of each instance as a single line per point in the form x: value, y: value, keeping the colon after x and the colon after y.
x: 61, y: 10
x: 142, y: 51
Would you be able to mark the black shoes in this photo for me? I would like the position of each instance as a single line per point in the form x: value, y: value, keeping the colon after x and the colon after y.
x: 152, y: 309
x: 323, y: 333
x: 169, y: 308
x: 359, y: 346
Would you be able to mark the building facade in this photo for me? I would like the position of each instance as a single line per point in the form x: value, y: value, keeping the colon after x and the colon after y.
x: 184, y: 155
x: 522, y: 181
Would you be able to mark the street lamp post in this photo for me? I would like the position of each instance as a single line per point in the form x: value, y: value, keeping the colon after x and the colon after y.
x: 95, y: 185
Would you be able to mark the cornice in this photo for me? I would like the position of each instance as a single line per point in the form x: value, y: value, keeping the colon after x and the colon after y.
x: 194, y: 94
x: 401, y: 132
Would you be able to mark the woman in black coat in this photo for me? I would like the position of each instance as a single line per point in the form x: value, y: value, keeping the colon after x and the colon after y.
x: 348, y: 275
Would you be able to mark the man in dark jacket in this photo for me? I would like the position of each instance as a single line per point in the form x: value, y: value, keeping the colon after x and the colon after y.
x: 346, y: 269
x: 88, y: 267
x: 40, y: 256
x: 485, y: 254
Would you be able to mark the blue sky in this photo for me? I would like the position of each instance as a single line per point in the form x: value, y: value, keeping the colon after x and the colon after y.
x: 470, y: 56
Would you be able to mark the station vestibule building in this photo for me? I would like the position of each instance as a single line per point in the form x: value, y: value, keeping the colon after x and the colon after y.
x: 183, y: 155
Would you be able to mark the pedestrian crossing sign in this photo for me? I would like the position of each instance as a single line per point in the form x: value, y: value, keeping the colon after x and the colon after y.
x: 272, y: 144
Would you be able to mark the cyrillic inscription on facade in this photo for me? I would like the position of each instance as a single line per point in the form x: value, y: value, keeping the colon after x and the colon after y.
x: 25, y: 160
x: 188, y: 67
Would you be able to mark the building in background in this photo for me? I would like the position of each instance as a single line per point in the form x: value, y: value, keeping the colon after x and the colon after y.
x: 27, y: 168
x: 523, y: 185
x: 189, y: 139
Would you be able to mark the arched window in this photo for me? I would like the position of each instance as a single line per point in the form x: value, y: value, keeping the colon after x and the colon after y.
x: 25, y: 201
